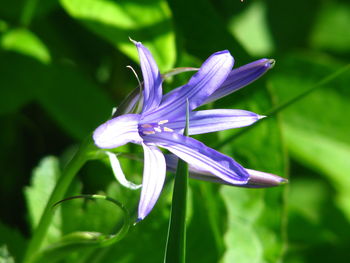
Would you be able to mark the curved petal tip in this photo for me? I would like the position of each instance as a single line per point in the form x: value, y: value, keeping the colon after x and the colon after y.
x: 271, y: 63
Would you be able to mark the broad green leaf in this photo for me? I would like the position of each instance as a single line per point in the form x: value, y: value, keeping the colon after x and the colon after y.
x: 326, y: 155
x: 37, y: 194
x: 116, y: 21
x: 331, y: 31
x: 316, y: 131
x: 252, y: 31
x: 25, y: 42
x: 255, y: 216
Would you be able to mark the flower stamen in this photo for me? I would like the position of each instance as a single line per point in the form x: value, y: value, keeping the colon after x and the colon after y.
x: 162, y: 122
x: 148, y: 132
x: 166, y: 129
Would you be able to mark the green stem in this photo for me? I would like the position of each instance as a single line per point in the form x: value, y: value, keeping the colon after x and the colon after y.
x: 28, y: 12
x: 175, y: 251
x: 78, y: 160
x: 288, y: 103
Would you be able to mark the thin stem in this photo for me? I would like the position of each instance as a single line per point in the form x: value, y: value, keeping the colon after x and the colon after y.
x: 78, y: 160
x: 28, y: 12
x: 286, y: 104
x: 175, y: 251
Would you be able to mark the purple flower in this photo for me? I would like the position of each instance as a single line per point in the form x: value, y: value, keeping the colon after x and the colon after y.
x: 162, y: 120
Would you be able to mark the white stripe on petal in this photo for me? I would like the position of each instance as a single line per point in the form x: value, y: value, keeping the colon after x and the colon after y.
x: 153, y: 179
x: 118, y: 172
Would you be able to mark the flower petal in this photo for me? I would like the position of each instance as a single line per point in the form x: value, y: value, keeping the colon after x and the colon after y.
x: 257, y: 179
x: 210, y: 76
x: 118, y: 131
x: 214, y: 120
x: 118, y: 172
x: 241, y: 77
x: 152, y: 80
x: 153, y: 179
x: 200, y: 156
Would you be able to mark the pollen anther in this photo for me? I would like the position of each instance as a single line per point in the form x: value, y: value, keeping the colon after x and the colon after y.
x: 167, y: 129
x: 146, y: 125
x: 162, y: 122
x: 148, y: 132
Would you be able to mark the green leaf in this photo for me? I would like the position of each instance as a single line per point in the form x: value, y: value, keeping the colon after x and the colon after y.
x: 331, y: 31
x: 81, y: 241
x: 25, y: 42
x: 255, y: 224
x: 116, y: 21
x: 331, y: 159
x: 317, y: 133
x: 37, y: 194
x: 251, y: 29
x: 5, y: 256
x: 13, y: 240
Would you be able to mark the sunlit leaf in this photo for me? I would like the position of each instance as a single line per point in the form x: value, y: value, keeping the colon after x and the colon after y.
x: 5, y: 256
x: 256, y: 216
x: 316, y: 131
x: 251, y: 29
x: 116, y: 21
x: 25, y: 42
x: 37, y: 194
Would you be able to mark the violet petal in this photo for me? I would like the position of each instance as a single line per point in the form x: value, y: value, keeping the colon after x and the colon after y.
x: 257, y: 179
x: 152, y: 80
x: 117, y: 132
x: 153, y: 179
x: 198, y: 155
x: 241, y: 77
x: 210, y: 76
x: 214, y: 120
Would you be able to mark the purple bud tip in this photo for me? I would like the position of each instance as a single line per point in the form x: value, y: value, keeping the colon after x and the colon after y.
x: 283, y: 181
x: 137, y: 221
x: 259, y: 179
x: 271, y: 63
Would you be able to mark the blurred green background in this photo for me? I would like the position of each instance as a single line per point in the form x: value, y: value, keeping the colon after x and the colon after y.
x: 63, y: 68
